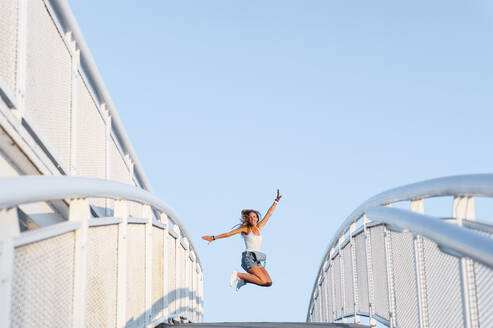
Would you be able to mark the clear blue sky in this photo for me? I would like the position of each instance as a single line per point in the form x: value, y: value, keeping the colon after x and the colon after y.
x: 330, y: 101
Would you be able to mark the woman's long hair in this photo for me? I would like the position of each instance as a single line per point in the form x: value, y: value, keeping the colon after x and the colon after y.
x: 244, y: 218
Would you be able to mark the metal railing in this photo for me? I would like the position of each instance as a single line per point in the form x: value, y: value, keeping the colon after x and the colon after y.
x: 406, y: 269
x: 100, y: 272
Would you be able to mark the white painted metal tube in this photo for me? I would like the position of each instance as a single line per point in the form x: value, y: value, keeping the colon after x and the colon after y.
x: 447, y: 235
x: 30, y: 189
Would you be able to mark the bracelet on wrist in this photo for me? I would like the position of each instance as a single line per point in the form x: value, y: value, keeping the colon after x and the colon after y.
x: 213, y: 238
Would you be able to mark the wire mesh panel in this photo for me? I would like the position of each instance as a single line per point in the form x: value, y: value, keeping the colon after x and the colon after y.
x: 8, y: 43
x: 443, y: 287
x: 136, y: 275
x: 102, y: 266
x: 379, y: 271
x: 42, y: 283
x: 337, y: 287
x: 90, y: 138
x: 348, y: 279
x: 157, y: 271
x: 406, y: 300
x: 48, y: 81
x: 484, y: 281
x: 118, y: 170
x: 172, y: 285
x: 359, y: 242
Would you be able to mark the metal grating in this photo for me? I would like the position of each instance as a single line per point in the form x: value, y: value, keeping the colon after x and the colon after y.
x: 8, y: 43
x: 361, y: 272
x: 157, y: 272
x: 171, y: 255
x: 42, y: 283
x: 118, y: 170
x: 136, y: 275
x: 90, y: 138
x: 337, y: 287
x: 102, y: 266
x: 406, y: 299
x: 379, y: 270
x: 348, y: 280
x: 484, y: 280
x: 48, y: 81
x: 443, y: 286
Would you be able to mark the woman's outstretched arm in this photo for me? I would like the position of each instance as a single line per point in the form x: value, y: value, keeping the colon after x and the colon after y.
x: 270, y: 211
x: 225, y: 235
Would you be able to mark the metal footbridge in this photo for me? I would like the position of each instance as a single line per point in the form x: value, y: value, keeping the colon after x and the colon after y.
x: 84, y: 242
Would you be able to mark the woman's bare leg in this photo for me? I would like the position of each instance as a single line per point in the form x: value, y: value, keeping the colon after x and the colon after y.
x: 256, y: 276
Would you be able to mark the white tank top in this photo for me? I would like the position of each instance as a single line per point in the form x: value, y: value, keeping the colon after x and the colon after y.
x: 252, y: 241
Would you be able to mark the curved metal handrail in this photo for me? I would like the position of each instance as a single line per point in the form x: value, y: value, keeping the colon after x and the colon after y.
x: 460, y: 185
x: 448, y: 236
x: 30, y: 189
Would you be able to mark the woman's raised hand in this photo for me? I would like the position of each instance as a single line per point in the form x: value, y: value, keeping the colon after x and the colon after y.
x: 208, y: 238
x: 278, y: 197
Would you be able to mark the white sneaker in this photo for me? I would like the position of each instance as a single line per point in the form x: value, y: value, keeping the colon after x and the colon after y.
x: 240, y: 284
x: 233, y: 278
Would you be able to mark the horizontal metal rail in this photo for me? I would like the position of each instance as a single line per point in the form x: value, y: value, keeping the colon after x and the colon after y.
x: 30, y: 189
x: 448, y: 236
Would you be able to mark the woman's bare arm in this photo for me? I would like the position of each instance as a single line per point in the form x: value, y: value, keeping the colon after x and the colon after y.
x: 270, y: 211
x: 227, y: 234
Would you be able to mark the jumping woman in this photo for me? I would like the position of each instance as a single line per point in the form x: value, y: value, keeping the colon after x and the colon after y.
x: 252, y: 260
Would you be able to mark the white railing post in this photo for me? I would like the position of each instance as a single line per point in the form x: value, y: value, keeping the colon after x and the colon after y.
x: 418, y: 253
x: 463, y: 208
x: 343, y: 289
x: 75, y: 57
x: 147, y: 214
x: 369, y: 271
x: 9, y: 229
x: 178, y: 270
x: 390, y: 275
x: 165, y: 311
x: 79, y: 211
x: 121, y: 211
x: 185, y: 299
x: 352, y: 229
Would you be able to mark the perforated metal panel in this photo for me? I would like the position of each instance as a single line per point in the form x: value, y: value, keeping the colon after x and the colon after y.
x: 136, y: 275
x: 484, y: 280
x: 171, y: 255
x: 48, y: 81
x: 337, y: 287
x: 118, y: 170
x: 8, y: 43
x: 102, y: 266
x: 361, y: 272
x: 348, y: 280
x: 443, y: 287
x: 379, y: 271
x: 42, y: 283
x: 404, y: 279
x: 157, y: 271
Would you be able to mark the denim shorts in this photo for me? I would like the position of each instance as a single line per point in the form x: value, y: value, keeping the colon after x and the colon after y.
x: 251, y: 259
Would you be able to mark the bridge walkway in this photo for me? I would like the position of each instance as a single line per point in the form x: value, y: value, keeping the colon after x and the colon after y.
x: 266, y: 325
